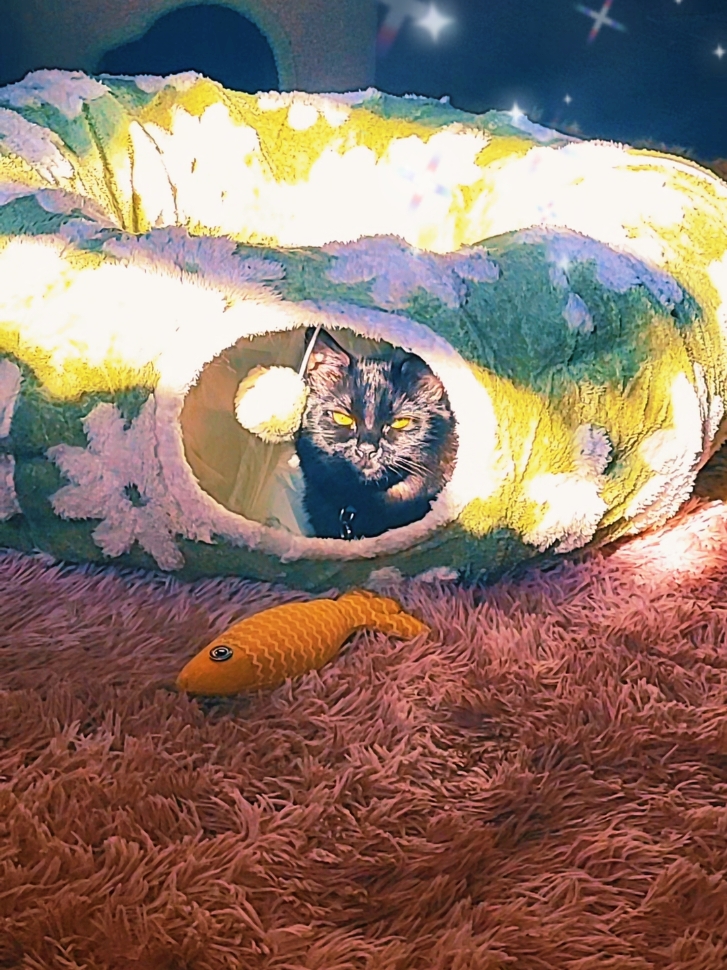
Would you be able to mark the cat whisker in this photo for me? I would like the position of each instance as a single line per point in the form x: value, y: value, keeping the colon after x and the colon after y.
x: 410, y: 465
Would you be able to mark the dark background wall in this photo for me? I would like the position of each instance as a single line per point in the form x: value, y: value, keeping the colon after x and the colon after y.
x: 213, y: 40
x: 660, y: 80
x: 318, y: 45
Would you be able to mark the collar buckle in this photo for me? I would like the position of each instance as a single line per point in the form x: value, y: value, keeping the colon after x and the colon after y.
x: 345, y: 518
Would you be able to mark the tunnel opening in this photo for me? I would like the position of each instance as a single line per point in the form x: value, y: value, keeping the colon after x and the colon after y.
x: 260, y: 481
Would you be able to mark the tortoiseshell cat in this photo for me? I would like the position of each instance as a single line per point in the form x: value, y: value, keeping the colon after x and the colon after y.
x: 377, y: 442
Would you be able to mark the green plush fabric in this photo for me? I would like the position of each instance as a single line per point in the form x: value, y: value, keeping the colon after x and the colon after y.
x: 157, y: 233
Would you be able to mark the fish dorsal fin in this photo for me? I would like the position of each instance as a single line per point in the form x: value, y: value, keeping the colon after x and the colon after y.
x: 372, y: 601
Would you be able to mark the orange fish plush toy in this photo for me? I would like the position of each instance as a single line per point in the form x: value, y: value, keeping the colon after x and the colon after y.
x: 289, y: 640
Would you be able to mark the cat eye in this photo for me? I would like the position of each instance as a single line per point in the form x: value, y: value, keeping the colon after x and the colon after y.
x: 342, y: 419
x: 398, y: 424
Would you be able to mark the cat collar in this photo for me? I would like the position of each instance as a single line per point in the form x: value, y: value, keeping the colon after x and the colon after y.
x: 345, y: 518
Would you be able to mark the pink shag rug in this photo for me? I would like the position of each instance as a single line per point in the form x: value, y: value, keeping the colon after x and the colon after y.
x: 541, y: 785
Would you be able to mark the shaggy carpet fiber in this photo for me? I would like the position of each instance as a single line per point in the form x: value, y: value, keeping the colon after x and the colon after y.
x: 541, y: 784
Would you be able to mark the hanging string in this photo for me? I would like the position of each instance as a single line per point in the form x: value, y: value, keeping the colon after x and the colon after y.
x: 309, y: 350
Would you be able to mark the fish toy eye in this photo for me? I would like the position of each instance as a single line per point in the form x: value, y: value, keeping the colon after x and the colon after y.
x: 220, y: 653
x: 344, y: 420
x: 398, y: 424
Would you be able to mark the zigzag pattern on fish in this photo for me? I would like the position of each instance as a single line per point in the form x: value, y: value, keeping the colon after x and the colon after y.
x: 265, y: 649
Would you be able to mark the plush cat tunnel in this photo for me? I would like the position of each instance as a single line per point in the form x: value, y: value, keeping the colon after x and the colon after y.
x: 165, y: 246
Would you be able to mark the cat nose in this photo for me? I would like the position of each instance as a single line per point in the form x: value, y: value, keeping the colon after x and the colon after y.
x: 366, y: 449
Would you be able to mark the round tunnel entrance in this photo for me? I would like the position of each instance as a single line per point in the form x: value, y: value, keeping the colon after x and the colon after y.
x: 258, y: 480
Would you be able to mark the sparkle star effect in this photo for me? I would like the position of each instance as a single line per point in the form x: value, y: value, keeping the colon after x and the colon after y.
x: 516, y: 113
x: 434, y: 22
x: 600, y: 19
x: 423, y: 14
x: 720, y: 51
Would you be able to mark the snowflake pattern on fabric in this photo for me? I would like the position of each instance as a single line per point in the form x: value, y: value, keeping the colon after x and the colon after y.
x: 10, y: 380
x: 398, y: 270
x: 215, y: 257
x: 118, y: 479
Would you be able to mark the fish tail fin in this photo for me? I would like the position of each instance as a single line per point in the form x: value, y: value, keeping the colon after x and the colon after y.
x: 382, y: 613
x: 401, y: 625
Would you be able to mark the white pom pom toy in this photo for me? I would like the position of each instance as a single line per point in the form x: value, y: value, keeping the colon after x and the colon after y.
x: 270, y: 401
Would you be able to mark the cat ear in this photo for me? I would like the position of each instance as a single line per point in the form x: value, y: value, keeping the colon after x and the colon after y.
x: 328, y: 360
x: 422, y: 380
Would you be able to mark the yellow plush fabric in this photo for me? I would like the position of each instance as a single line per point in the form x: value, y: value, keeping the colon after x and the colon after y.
x: 161, y: 237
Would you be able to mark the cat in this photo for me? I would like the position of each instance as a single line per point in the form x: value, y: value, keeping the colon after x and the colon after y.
x: 377, y: 442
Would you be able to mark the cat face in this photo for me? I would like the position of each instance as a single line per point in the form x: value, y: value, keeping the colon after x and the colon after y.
x: 382, y: 417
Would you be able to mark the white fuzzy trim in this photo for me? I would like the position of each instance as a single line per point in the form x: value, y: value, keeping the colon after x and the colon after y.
x: 201, y: 517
